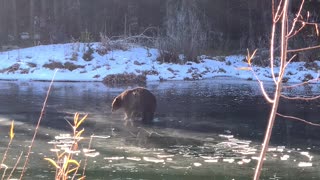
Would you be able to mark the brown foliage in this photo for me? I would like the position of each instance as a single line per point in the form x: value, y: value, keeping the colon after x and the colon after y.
x: 58, y: 65
x: 125, y: 78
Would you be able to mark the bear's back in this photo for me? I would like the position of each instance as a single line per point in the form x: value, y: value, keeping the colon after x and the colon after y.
x: 138, y: 99
x: 147, y: 100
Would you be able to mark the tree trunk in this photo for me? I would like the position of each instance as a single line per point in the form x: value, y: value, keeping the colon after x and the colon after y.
x: 31, y: 20
x: 14, y: 19
x: 276, y: 99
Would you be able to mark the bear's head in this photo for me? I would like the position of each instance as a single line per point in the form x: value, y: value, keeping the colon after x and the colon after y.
x: 116, y: 104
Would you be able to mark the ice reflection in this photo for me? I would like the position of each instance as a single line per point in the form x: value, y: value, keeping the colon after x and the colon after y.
x: 203, y: 130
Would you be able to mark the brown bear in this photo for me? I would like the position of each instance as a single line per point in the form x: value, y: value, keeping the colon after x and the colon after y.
x: 135, y: 102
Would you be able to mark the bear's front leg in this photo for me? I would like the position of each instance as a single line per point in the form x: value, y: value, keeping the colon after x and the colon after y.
x: 128, y: 117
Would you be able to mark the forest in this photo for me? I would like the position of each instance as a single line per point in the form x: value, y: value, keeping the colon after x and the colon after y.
x: 188, y: 26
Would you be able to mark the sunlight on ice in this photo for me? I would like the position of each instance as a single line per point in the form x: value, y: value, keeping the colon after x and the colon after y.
x: 307, y: 155
x: 63, y: 136
x: 256, y: 158
x: 114, y: 158
x: 284, y: 157
x: 54, y: 150
x: 165, y: 156
x: 246, y: 160
x: 71, y: 151
x: 92, y: 154
x: 101, y: 137
x: 280, y: 148
x: 305, y: 164
x: 152, y: 159
x: 134, y: 158
x: 226, y: 136
x: 272, y: 149
x: 196, y: 164
x: 211, y: 160
x: 85, y: 150
x: 228, y: 160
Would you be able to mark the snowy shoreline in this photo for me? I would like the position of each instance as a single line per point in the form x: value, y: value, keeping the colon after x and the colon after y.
x: 38, y: 64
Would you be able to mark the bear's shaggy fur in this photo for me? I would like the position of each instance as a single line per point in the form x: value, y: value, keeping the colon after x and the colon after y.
x: 135, y: 102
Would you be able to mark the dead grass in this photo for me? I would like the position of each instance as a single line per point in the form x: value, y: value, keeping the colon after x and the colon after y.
x: 67, y: 148
x: 70, y: 66
x: 125, y: 78
x: 54, y: 65
x: 58, y: 65
x: 11, y: 69
x: 31, y: 64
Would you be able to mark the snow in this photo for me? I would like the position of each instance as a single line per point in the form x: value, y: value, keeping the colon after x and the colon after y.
x: 136, y: 60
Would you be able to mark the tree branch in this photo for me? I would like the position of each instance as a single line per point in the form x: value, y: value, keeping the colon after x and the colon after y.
x: 301, y: 98
x: 303, y: 49
x: 299, y: 119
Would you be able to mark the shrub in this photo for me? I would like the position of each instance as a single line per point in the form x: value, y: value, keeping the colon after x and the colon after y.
x: 307, y: 77
x: 87, y: 55
x: 70, y: 66
x: 31, y: 64
x: 104, y: 46
x: 86, y: 37
x: 74, y: 56
x: 53, y: 65
x: 261, y: 58
x: 312, y: 66
x: 184, y: 34
x: 58, y: 65
x: 65, y: 163
x: 10, y: 69
x: 125, y: 78
x: 165, y: 55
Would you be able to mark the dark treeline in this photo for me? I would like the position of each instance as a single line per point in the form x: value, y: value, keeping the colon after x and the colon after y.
x: 224, y: 24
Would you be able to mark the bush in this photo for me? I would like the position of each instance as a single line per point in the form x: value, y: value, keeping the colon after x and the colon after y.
x: 168, y: 53
x: 184, y: 34
x: 58, y: 65
x: 87, y: 55
x: 106, y: 45
x: 262, y: 58
x: 11, y: 69
x: 53, y: 65
x: 125, y: 78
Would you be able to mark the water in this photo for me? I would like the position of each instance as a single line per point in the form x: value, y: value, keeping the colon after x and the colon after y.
x: 205, y: 129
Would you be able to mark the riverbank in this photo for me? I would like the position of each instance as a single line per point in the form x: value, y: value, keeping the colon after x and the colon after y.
x: 75, y: 64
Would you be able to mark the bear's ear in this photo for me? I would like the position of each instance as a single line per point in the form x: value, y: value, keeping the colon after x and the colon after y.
x: 116, y: 104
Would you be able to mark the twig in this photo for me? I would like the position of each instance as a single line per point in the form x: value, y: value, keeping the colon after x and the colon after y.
x: 290, y: 34
x: 6, y: 152
x: 303, y: 49
x: 301, y: 98
x: 86, y: 159
x: 15, y: 166
x: 37, y: 127
x: 265, y: 94
x: 4, y: 172
x: 303, y: 83
x: 76, y: 171
x: 299, y: 119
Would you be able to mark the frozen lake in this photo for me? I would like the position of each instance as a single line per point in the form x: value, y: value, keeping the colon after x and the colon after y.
x: 203, y: 129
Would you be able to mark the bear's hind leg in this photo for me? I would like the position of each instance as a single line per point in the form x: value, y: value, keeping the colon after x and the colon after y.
x: 147, y: 117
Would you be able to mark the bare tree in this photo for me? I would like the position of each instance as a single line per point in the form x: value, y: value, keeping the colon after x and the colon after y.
x: 184, y: 30
x: 288, y: 30
x: 32, y: 18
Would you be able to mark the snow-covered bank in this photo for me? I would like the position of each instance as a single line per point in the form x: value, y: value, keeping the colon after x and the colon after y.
x: 39, y: 63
